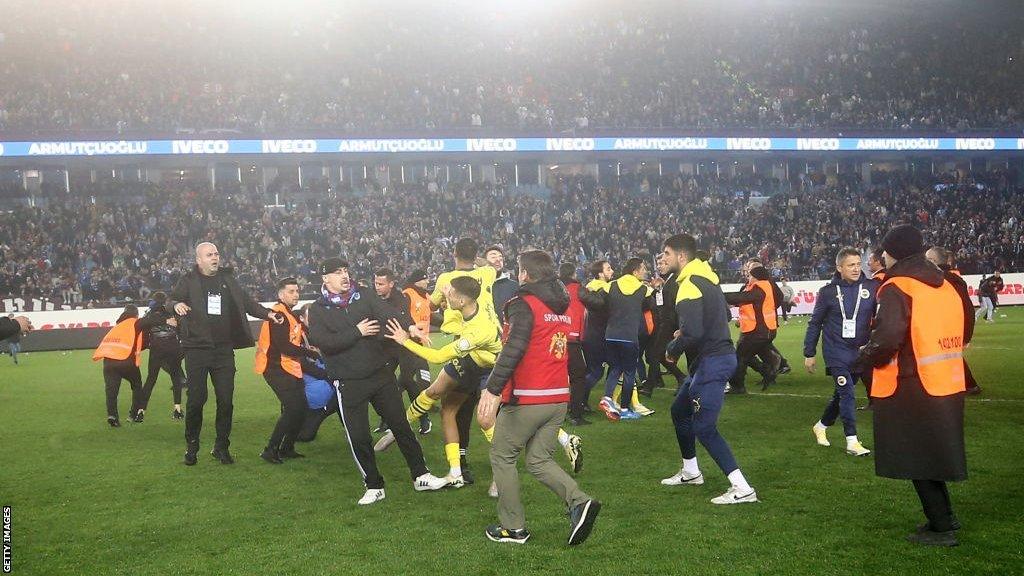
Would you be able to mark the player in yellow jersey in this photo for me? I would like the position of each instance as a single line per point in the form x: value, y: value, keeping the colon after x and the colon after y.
x: 467, y: 362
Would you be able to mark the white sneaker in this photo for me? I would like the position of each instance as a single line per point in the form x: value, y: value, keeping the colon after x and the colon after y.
x: 641, y: 409
x: 683, y: 477
x: 385, y: 442
x: 493, y: 490
x: 733, y: 496
x: 856, y: 449
x: 455, y: 481
x: 819, y: 435
x: 574, y: 450
x: 429, y: 482
x: 372, y: 495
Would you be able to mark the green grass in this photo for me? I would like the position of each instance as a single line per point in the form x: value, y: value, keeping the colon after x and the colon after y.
x: 88, y: 499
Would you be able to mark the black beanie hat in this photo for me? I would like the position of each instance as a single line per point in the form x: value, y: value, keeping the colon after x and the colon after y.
x: 903, y: 241
x: 417, y: 275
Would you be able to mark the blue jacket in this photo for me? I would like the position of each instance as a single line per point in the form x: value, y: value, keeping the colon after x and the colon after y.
x: 703, y: 316
x: 827, y: 318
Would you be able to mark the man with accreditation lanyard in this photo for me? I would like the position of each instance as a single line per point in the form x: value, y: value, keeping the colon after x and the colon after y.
x: 842, y: 316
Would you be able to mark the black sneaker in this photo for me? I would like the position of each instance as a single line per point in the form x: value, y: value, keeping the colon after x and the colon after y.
x: 177, y: 415
x: 113, y: 421
x: 588, y: 409
x: 425, y: 425
x: 495, y: 533
x: 270, y: 455
x: 784, y: 368
x: 467, y: 473
x: 581, y: 521
x: 139, y: 415
x: 765, y: 384
x: 290, y: 453
x: 190, y: 458
x: 223, y: 455
x: 932, y: 538
x: 974, y: 390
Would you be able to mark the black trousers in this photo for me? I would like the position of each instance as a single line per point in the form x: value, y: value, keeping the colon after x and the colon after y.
x: 464, y: 418
x: 113, y: 372
x: 381, y: 391
x: 413, y: 374
x: 756, y: 352
x: 938, y: 509
x: 579, y: 393
x: 314, y: 418
x: 291, y: 391
x: 656, y: 359
x: 168, y: 362
x: 217, y: 364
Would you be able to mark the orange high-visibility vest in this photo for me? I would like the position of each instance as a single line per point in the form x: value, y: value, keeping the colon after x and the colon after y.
x: 649, y: 321
x: 936, y: 337
x: 419, y: 309
x: 295, y: 330
x: 748, y: 318
x: 121, y: 342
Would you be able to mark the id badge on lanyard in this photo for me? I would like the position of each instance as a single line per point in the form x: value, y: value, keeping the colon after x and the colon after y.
x: 849, y: 324
x: 213, y: 304
x: 659, y: 298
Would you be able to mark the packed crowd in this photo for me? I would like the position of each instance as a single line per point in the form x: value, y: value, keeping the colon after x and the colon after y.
x: 128, y: 241
x: 352, y: 68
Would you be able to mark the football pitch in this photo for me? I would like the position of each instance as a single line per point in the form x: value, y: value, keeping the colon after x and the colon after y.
x: 89, y: 499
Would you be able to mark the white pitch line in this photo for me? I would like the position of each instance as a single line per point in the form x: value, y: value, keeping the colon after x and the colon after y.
x: 969, y: 398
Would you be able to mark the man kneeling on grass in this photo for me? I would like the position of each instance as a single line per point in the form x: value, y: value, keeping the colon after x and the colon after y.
x: 530, y: 381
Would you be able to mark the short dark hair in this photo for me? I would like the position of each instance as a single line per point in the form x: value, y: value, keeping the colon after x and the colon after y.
x: 682, y: 243
x: 632, y: 265
x: 160, y: 297
x: 876, y: 254
x: 702, y: 255
x: 538, y: 264
x: 567, y: 272
x: 466, y: 249
x: 494, y: 247
x: 844, y: 252
x: 287, y: 281
x: 467, y: 286
x: 385, y: 272
x: 597, y: 267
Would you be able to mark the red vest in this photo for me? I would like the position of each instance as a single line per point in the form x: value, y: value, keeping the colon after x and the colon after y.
x: 576, y: 312
x: 542, y: 376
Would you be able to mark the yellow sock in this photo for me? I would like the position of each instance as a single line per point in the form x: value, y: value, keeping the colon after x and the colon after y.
x: 420, y: 406
x: 451, y: 453
x: 489, y: 433
x: 636, y: 398
x: 617, y: 394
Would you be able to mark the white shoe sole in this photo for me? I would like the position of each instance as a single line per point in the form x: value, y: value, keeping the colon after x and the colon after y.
x: 364, y: 502
x: 385, y: 442
x: 673, y: 481
x: 858, y: 454
x: 747, y: 499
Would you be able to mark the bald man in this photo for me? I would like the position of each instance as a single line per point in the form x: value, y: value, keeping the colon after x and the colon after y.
x: 211, y: 309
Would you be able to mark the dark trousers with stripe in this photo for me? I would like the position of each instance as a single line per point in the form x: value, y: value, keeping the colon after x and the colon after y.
x: 113, y: 372
x: 291, y: 392
x: 380, y: 390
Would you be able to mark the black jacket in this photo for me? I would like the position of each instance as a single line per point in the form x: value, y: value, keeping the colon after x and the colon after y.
x: 346, y: 352
x: 194, y: 328
x: 399, y: 303
x: 159, y: 336
x: 596, y: 321
x: 9, y: 327
x: 504, y: 289
x: 917, y: 436
x: 281, y: 345
x: 519, y: 318
x: 666, y: 320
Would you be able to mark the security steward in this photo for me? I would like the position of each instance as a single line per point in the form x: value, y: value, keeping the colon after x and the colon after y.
x: 120, y: 350
x: 758, y: 325
x: 916, y: 350
x: 943, y: 258
x: 530, y: 380
x: 577, y: 363
x: 344, y: 324
x: 282, y: 358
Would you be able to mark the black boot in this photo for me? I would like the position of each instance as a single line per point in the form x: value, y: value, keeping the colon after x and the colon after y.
x: 191, y: 451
